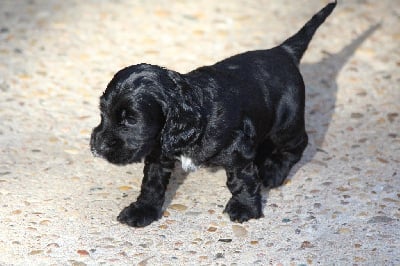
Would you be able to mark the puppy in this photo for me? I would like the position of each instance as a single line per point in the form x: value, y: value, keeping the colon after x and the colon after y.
x: 245, y: 114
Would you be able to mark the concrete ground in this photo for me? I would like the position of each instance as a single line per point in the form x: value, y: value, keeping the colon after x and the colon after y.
x: 340, y: 206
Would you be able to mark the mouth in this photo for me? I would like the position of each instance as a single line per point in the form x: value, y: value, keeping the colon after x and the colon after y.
x: 122, y: 156
x: 95, y: 153
x: 117, y: 158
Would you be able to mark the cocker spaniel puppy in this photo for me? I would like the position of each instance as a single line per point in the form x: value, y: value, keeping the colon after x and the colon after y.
x: 245, y: 114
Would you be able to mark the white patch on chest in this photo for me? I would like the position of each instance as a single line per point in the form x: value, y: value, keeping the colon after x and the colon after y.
x: 187, y: 164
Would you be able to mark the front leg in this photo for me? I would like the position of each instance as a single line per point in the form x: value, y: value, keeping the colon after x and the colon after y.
x: 244, y: 185
x: 148, y: 206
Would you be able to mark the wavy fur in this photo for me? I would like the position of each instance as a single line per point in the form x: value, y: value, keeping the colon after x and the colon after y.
x: 245, y: 114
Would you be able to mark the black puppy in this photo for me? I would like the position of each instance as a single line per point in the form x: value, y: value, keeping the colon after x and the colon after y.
x: 245, y: 114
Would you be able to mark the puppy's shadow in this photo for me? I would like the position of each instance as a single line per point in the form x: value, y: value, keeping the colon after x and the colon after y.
x: 321, y: 93
x: 178, y: 176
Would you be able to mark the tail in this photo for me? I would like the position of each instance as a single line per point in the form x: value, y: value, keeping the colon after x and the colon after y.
x: 298, y: 43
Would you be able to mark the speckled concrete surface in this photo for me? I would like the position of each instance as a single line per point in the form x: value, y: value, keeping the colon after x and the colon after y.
x: 59, y: 204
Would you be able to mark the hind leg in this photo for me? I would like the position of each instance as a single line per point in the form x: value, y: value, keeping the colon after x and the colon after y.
x: 276, y: 156
x: 244, y: 185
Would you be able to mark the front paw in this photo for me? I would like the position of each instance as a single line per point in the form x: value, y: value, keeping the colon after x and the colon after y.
x: 242, y: 212
x: 138, y: 215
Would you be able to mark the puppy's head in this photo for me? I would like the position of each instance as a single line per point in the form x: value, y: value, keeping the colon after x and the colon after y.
x: 144, y: 108
x: 131, y: 117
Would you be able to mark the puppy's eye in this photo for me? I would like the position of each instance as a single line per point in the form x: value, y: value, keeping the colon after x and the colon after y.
x: 128, y: 117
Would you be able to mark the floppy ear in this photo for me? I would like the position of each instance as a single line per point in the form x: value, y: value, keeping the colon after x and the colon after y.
x: 184, y: 121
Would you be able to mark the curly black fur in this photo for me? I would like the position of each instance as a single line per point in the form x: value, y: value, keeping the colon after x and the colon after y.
x: 245, y: 114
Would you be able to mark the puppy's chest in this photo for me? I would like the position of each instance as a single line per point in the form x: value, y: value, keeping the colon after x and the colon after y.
x: 192, y: 164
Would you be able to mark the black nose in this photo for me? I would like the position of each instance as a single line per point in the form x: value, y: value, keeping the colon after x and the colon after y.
x: 101, y: 142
